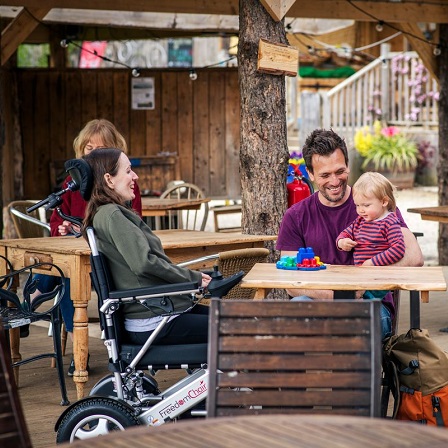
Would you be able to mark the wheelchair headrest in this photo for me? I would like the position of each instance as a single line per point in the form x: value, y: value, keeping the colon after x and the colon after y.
x: 81, y: 174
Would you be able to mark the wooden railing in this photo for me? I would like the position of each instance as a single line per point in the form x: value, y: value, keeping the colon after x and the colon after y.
x: 395, y: 88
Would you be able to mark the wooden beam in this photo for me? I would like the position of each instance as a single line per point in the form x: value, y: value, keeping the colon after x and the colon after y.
x: 424, y: 50
x: 19, y: 29
x: 277, y: 9
x: 361, y: 10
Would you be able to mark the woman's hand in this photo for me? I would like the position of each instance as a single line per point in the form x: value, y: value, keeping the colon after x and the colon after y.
x: 67, y: 228
x: 205, y: 280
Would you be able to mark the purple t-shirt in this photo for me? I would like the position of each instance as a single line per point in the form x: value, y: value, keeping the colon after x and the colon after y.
x: 309, y: 223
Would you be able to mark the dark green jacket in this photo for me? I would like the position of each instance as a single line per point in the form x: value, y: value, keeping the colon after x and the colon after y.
x: 136, y: 257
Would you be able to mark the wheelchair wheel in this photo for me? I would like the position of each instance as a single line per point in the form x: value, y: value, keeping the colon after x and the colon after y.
x: 94, y: 417
x: 105, y: 386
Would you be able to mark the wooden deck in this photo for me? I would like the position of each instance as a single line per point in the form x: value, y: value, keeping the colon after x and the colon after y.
x: 39, y: 390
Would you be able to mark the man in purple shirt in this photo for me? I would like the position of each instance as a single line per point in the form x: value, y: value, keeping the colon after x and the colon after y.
x: 317, y: 220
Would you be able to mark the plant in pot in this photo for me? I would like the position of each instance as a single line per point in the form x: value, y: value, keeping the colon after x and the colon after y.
x: 388, y: 151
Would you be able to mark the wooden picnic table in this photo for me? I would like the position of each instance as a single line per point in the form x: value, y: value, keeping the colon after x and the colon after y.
x: 72, y: 255
x: 416, y: 280
x: 439, y: 213
x: 269, y: 431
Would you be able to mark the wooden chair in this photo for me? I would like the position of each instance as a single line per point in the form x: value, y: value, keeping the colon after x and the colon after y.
x: 294, y: 357
x: 28, y: 225
x: 184, y: 219
x: 13, y: 430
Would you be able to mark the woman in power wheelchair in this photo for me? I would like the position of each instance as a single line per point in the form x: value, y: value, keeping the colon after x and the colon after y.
x: 147, y: 310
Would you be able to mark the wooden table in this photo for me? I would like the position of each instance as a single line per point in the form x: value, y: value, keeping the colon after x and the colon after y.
x: 270, y: 431
x: 159, y: 207
x: 439, y: 213
x: 72, y: 256
x: 417, y: 280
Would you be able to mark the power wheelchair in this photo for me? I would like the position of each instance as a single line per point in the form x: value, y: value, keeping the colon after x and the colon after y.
x: 128, y: 396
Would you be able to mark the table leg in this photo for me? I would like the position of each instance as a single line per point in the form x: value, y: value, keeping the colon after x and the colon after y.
x: 261, y: 293
x: 80, y: 347
x: 415, y: 309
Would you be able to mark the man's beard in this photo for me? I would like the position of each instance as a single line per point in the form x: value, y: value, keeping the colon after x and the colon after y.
x: 333, y: 198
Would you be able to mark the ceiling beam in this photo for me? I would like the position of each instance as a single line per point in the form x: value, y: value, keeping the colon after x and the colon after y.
x: 397, y: 11
x: 19, y: 29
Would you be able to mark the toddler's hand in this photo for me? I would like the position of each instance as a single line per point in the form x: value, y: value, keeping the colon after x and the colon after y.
x: 346, y: 244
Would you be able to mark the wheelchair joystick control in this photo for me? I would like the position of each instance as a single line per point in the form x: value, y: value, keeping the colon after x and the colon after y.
x: 220, y: 286
x: 216, y: 274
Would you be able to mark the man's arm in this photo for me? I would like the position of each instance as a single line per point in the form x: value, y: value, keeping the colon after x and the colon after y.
x: 413, y: 255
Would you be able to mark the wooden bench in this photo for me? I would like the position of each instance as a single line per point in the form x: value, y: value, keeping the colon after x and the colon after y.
x: 226, y: 210
x: 13, y: 429
x: 294, y: 357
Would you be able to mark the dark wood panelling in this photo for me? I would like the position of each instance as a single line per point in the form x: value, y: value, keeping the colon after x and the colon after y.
x: 39, y: 168
x: 185, y: 124
x: 105, y: 95
x: 232, y: 135
x: 153, y: 120
x: 26, y: 89
x: 73, y: 120
x: 169, y: 112
x: 217, y: 125
x: 198, y: 120
x: 88, y: 92
x: 57, y: 145
x: 201, y: 136
x: 121, y: 108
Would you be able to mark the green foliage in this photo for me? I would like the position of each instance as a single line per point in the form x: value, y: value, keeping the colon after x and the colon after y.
x: 396, y: 153
x: 386, y: 149
x: 30, y: 56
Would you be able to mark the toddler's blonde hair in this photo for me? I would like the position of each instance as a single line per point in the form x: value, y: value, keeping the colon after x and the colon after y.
x: 372, y: 183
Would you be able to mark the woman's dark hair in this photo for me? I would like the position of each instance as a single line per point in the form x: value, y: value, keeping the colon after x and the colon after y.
x: 322, y: 142
x: 102, y: 162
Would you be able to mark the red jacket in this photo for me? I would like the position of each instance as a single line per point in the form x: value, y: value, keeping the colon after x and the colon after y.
x: 74, y: 205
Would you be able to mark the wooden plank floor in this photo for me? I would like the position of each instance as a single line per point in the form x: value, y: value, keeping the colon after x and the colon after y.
x: 39, y: 389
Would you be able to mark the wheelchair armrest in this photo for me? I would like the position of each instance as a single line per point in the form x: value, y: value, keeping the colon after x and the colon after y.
x: 182, y: 288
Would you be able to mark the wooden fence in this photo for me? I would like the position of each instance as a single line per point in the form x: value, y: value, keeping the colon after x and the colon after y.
x: 395, y: 88
x: 196, y: 120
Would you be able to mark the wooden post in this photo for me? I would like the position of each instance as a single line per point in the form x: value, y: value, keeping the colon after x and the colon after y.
x: 385, y: 87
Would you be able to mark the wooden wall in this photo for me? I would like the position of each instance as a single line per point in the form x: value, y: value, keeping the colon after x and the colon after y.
x: 198, y: 120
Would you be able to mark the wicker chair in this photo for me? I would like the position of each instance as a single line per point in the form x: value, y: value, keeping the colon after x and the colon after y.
x: 233, y: 261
